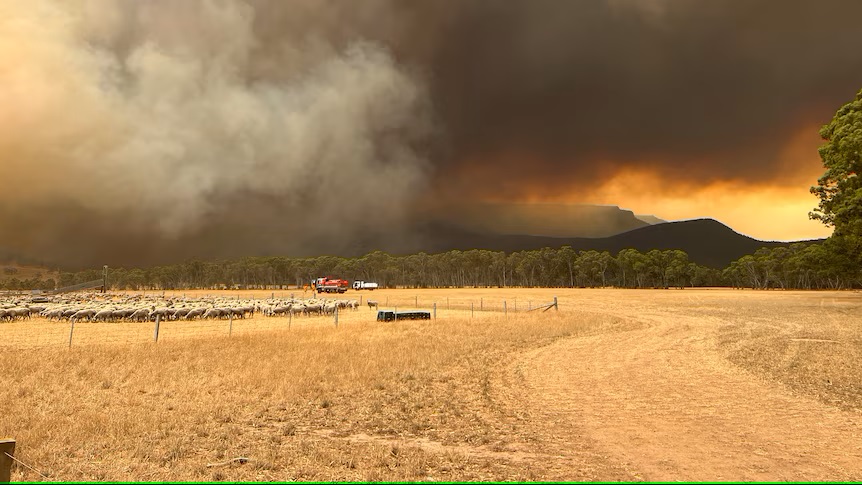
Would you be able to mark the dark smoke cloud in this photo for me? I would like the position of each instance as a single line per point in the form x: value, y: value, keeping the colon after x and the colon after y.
x: 138, y: 132
x: 704, y: 91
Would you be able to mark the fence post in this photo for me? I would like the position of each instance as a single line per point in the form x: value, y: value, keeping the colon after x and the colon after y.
x: 396, y: 313
x: 336, y: 316
x: 417, y: 301
x: 515, y: 309
x: 71, y: 331
x: 230, y: 325
x: 471, y: 309
x: 7, y: 451
x: 481, y: 304
x: 290, y: 318
x: 556, y: 307
x: 435, y: 310
x: 505, y: 311
x: 156, y: 328
x: 360, y: 300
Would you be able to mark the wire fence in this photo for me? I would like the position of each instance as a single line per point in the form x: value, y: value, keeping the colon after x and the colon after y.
x: 39, y: 332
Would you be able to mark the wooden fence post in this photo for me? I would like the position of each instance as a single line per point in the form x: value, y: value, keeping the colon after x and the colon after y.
x: 417, y: 301
x: 471, y: 309
x: 71, y: 331
x: 505, y: 311
x: 290, y: 318
x: 336, y: 316
x: 230, y: 327
x: 556, y: 307
x: 7, y: 450
x: 435, y: 310
x: 481, y: 304
x: 156, y: 328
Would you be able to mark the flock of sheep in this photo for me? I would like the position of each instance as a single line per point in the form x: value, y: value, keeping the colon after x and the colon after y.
x: 95, y: 307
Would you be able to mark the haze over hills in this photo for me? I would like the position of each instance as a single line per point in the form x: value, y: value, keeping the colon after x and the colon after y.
x: 541, y: 219
x: 650, y: 219
x: 707, y: 241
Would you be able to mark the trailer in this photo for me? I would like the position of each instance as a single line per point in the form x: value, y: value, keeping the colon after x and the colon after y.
x: 391, y: 315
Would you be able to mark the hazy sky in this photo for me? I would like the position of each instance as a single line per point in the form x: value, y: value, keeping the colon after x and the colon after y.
x: 130, y: 130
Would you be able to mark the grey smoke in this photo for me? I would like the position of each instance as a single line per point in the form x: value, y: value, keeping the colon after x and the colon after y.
x: 158, y: 117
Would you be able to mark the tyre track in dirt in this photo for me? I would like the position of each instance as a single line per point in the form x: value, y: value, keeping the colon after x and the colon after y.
x: 663, y: 404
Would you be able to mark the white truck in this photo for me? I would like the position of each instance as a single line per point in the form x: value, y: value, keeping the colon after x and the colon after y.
x: 364, y: 285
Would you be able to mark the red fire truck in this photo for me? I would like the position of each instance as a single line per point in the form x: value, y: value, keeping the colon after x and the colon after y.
x: 330, y: 285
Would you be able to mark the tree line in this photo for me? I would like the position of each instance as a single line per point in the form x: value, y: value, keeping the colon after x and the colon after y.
x: 825, y: 265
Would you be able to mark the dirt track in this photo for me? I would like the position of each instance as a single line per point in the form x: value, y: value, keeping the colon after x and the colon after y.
x: 663, y: 403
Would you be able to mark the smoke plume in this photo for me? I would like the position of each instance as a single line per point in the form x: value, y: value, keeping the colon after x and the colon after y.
x: 163, y: 120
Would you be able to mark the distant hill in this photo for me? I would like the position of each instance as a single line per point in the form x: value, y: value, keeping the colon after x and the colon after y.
x: 707, y: 241
x: 11, y: 270
x: 650, y: 219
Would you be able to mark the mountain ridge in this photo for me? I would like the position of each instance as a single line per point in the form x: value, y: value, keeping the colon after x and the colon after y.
x: 707, y: 241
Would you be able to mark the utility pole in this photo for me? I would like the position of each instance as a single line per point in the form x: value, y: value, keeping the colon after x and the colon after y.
x: 104, y: 278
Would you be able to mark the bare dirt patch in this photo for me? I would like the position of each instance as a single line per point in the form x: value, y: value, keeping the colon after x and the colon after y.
x: 666, y: 404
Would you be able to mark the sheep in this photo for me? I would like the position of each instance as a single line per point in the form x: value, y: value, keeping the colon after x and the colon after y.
x: 281, y: 310
x: 140, y: 315
x: 104, y: 315
x: 212, y: 313
x: 329, y: 308
x: 298, y: 308
x: 163, y: 313
x: 81, y: 314
x: 195, y: 313
x: 15, y: 313
x: 53, y: 314
x: 180, y: 313
x: 313, y: 308
x: 372, y: 304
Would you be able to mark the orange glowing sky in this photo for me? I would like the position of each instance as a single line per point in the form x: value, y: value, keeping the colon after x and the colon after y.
x: 775, y: 209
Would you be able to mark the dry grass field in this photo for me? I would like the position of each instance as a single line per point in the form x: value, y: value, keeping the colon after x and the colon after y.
x: 617, y: 385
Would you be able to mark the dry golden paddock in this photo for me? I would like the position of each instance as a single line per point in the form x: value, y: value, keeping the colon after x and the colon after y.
x: 618, y: 385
